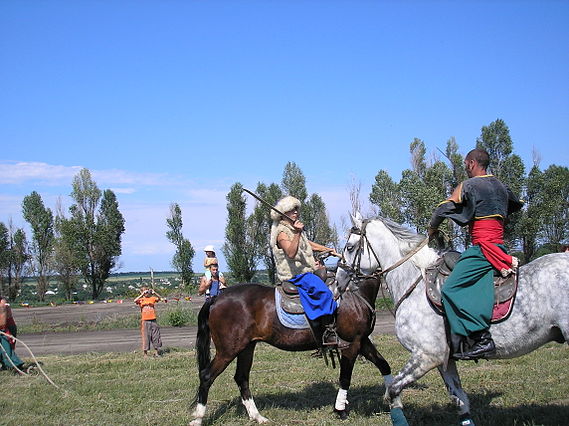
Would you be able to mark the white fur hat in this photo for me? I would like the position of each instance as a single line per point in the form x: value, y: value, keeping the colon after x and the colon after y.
x: 284, y: 205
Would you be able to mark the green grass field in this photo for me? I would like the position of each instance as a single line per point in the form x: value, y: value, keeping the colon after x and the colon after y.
x: 289, y: 389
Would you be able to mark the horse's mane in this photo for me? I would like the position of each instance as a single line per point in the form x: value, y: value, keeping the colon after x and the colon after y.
x: 408, y: 240
x: 405, y: 236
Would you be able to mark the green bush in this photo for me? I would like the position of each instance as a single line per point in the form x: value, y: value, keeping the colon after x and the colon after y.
x: 178, y: 317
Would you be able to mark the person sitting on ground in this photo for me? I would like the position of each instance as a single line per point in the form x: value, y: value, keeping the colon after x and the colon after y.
x: 149, y: 327
x: 213, y: 284
x: 8, y: 357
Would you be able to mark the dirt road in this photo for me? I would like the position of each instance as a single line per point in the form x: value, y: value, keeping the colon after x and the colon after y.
x: 118, y: 340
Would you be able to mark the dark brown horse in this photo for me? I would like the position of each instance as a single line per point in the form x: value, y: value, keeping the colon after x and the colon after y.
x: 245, y: 314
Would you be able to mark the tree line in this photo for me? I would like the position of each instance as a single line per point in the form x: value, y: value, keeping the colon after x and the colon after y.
x: 86, y: 242
x: 246, y: 246
x: 541, y: 227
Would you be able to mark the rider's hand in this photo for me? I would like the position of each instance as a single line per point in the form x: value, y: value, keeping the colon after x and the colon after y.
x: 433, y: 232
x: 298, y: 225
x: 335, y: 253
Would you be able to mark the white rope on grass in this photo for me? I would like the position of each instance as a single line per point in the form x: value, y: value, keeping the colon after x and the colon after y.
x: 33, y: 357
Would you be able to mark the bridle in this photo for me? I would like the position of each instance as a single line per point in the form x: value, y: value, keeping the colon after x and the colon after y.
x: 354, y: 270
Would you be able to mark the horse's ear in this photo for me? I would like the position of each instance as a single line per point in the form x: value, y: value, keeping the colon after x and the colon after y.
x: 356, y: 219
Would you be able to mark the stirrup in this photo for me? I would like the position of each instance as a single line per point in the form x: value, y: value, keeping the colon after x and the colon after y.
x: 337, y: 343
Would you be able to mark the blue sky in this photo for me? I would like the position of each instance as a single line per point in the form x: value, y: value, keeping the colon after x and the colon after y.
x: 174, y: 101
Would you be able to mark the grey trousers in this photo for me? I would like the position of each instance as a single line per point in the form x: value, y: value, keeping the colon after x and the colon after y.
x: 150, y: 333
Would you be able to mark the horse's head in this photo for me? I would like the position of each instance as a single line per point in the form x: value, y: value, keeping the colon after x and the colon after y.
x: 377, y: 246
x: 358, y: 258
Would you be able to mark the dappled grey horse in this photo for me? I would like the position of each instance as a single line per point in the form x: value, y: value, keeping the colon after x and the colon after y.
x: 540, y: 313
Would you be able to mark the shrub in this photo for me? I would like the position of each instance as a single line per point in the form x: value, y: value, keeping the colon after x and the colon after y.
x: 178, y: 317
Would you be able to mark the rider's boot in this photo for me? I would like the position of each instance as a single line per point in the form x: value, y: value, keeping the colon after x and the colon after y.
x: 330, y: 336
x: 458, y: 346
x: 324, y: 330
x: 482, y: 347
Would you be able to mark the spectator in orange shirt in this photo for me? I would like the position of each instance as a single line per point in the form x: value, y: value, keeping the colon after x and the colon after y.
x: 149, y: 328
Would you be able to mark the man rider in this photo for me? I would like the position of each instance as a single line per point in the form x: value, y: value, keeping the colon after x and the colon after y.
x: 294, y: 258
x: 483, y: 203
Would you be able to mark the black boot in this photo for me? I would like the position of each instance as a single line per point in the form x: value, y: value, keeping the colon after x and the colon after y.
x: 330, y: 337
x: 482, y: 347
x: 324, y: 331
x: 458, y: 346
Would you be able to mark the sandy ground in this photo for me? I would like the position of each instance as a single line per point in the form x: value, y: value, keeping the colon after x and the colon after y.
x: 118, y: 340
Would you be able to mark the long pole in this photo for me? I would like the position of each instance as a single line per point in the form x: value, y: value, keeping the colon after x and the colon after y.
x: 267, y: 204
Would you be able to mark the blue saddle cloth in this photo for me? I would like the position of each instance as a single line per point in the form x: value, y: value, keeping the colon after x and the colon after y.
x: 315, y: 296
x: 297, y: 321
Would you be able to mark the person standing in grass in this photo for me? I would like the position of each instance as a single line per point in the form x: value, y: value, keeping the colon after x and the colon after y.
x: 149, y: 327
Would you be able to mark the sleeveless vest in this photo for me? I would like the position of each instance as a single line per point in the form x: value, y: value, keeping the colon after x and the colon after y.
x: 301, y: 263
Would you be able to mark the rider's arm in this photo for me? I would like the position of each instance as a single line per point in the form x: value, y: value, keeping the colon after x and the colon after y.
x: 290, y: 247
x: 321, y: 248
x: 204, y: 285
x: 444, y: 208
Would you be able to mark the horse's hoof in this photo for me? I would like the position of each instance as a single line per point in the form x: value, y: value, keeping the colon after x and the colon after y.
x: 398, y: 418
x: 261, y: 419
x: 196, y: 422
x: 466, y: 420
x: 342, y: 414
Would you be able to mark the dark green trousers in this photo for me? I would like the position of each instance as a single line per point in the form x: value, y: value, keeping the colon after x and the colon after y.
x: 468, y: 293
x: 8, y: 351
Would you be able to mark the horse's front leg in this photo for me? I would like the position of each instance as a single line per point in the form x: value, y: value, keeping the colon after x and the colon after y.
x: 369, y: 351
x: 347, y: 362
x: 417, y: 366
x: 244, y: 363
x: 457, y: 394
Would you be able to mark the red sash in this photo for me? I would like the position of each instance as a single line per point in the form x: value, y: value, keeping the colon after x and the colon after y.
x: 486, y: 233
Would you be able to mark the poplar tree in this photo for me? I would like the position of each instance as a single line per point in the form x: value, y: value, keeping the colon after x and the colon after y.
x: 313, y: 209
x: 18, y: 258
x: 182, y: 260
x: 99, y: 226
x: 40, y: 219
x: 261, y: 220
x: 241, y: 248
x: 4, y: 256
x: 67, y: 253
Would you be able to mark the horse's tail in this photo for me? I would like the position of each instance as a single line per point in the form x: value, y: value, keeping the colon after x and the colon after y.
x: 203, y: 341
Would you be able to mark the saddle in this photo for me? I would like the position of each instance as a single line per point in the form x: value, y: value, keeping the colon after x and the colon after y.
x: 504, y: 288
x: 290, y: 299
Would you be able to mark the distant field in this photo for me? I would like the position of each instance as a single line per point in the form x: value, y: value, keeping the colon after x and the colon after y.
x: 120, y: 285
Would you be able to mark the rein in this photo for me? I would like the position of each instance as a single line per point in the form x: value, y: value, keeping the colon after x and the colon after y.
x: 9, y: 336
x: 356, y: 275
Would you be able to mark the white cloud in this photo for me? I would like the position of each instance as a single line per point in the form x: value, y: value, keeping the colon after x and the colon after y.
x: 12, y: 172
x: 49, y: 174
x: 123, y: 190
